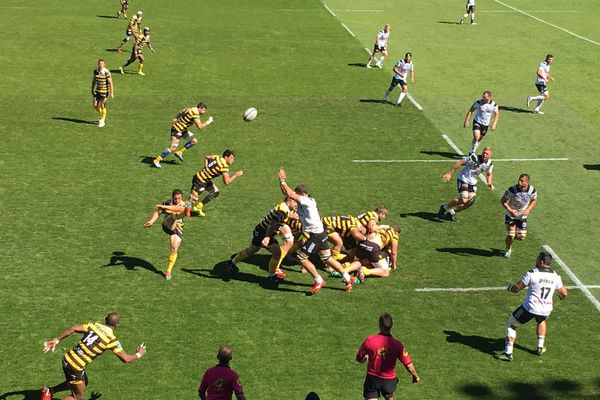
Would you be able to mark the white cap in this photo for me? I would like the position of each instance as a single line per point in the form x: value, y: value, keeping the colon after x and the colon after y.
x: 139, y: 13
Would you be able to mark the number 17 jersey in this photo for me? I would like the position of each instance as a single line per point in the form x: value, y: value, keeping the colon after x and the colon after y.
x: 541, y: 283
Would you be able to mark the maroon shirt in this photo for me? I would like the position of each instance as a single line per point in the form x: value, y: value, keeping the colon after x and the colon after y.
x: 383, y: 351
x: 221, y: 382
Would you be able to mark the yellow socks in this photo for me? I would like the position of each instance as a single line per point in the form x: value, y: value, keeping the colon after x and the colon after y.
x: 242, y: 255
x: 275, y: 262
x: 171, y: 264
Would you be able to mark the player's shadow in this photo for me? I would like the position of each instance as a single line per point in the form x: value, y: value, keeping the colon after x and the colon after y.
x: 35, y: 394
x: 119, y: 258
x: 445, y: 154
x: 471, y: 251
x: 115, y: 71
x: 547, y: 389
x: 592, y: 167
x: 149, y: 160
x: 75, y: 120
x: 359, y: 65
x: 449, y: 22
x: 378, y: 101
x: 483, y: 344
x: 428, y: 216
x: 515, y: 109
x: 107, y: 16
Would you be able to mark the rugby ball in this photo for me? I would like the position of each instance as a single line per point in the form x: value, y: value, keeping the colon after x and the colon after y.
x: 250, y: 114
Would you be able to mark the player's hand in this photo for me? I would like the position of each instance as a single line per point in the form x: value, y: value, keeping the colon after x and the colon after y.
x: 209, y: 120
x: 50, y: 345
x: 265, y: 241
x: 282, y: 174
x: 148, y: 224
x: 239, y: 173
x: 141, y: 349
x: 493, y: 127
x: 416, y: 379
x: 446, y: 177
x: 491, y: 186
x: 465, y: 124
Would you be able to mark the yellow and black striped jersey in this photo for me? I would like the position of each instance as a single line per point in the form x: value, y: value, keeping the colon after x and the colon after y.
x: 185, y: 118
x: 342, y: 224
x: 101, y: 77
x: 295, y: 225
x: 135, y: 24
x: 96, y: 339
x: 388, y: 235
x: 141, y: 41
x: 280, y: 213
x: 213, y: 167
x: 171, y: 216
x: 364, y: 218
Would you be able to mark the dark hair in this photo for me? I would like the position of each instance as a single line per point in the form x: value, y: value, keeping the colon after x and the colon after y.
x: 176, y: 191
x: 408, y: 54
x: 112, y: 319
x: 101, y: 59
x: 545, y: 257
x: 385, y: 321
x: 524, y: 176
x: 396, y: 228
x: 549, y: 56
x: 225, y: 354
x: 301, y: 189
x: 488, y: 92
x: 228, y: 153
x: 381, y: 208
x: 201, y: 105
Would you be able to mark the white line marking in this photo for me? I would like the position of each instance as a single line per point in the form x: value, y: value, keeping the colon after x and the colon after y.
x: 454, y: 160
x: 535, y: 11
x: 348, y: 29
x: 488, y: 288
x: 368, y: 51
x: 410, y: 98
x: 548, y: 23
x: 292, y: 10
x: 360, y: 10
x: 329, y: 9
x: 573, y: 277
x: 454, y: 147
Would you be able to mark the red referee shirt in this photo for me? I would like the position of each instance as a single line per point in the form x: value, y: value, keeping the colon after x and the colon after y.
x: 220, y: 382
x: 383, y: 351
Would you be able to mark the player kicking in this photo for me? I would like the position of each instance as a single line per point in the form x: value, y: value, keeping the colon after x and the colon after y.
x: 541, y: 80
x: 380, y: 46
x: 472, y: 166
x: 470, y: 10
x: 401, y: 70
x: 518, y: 200
x: 133, y: 29
x: 483, y: 109
x: 541, y: 282
x: 180, y: 129
x: 136, y: 52
x: 102, y: 87
x: 174, y: 210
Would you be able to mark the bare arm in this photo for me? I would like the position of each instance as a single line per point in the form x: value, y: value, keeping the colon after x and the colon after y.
x: 504, y: 202
x: 285, y: 189
x: 228, y: 179
x: 468, y: 116
x: 51, y: 344
x: 201, y: 125
x: 152, y: 219
x: 412, y: 76
x: 171, y: 208
x: 411, y: 369
x: 562, y: 293
x: 530, y: 207
x: 128, y: 358
x: 93, y: 84
x: 516, y: 288
x: 446, y: 177
x: 495, y: 121
x: 489, y: 180
x: 394, y: 254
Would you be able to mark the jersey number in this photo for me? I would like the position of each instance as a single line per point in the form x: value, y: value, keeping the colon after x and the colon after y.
x: 545, y: 292
x: 90, y: 339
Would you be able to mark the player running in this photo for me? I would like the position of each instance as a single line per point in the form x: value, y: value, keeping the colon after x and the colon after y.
x: 484, y: 109
x: 518, y: 200
x: 541, y: 80
x: 401, y: 70
x: 136, y: 52
x: 123, y: 10
x: 380, y: 46
x: 469, y: 10
x: 133, y: 29
x: 102, y: 87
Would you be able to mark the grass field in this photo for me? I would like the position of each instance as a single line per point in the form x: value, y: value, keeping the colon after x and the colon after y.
x: 75, y: 197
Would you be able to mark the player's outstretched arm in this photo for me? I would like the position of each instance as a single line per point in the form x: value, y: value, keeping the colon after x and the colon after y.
x: 51, y: 344
x: 128, y: 358
x: 152, y: 219
x: 448, y: 175
x: 468, y: 116
x: 228, y: 179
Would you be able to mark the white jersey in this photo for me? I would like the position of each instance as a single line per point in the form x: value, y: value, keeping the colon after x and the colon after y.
x: 519, y: 200
x: 541, y: 284
x: 484, y: 111
x: 541, y: 80
x: 309, y: 215
x: 470, y: 3
x: 404, y: 68
x: 473, y: 167
x: 382, y: 38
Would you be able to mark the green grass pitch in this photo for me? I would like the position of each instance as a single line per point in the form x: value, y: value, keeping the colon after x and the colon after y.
x: 73, y: 196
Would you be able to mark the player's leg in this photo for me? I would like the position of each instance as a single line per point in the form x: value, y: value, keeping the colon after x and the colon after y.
x: 465, y: 202
x: 511, y: 231
x: 103, y: 112
x: 472, y: 12
x: 174, y: 242
x: 336, y: 240
x: 372, y: 56
x: 189, y: 144
x: 541, y: 335
x: 476, y: 138
x: 129, y: 61
x: 393, y: 84
x: 124, y: 40
x: 277, y: 258
x: 140, y: 58
x: 212, y: 193
x: 172, y: 146
x: 96, y: 105
x: 257, y: 237
x: 402, y: 93
x: 462, y: 20
x: 384, y: 55
x: 328, y: 260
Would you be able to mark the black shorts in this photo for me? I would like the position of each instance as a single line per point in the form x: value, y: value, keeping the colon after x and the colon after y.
x: 369, y: 251
x: 524, y: 316
x: 349, y: 242
x: 480, y: 127
x: 378, y: 49
x: 185, y: 134
x: 100, y: 96
x: 198, y: 186
x: 398, y: 81
x: 541, y: 87
x: 519, y: 223
x: 73, y: 376
x: 465, y: 187
x: 259, y: 233
x: 470, y: 9
x: 314, y: 243
x: 177, y: 231
x: 375, y: 387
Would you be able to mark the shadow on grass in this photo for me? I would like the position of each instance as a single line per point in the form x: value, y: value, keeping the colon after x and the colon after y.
x: 149, y: 159
x: 360, y: 65
x: 470, y: 251
x: 592, y: 167
x: 448, y: 22
x: 445, y: 154
x: 551, y: 389
x: 75, y: 120
x: 428, y: 216
x: 107, y: 16
x: 119, y: 258
x: 35, y: 394
x: 117, y: 71
x: 485, y: 345
x: 378, y: 101
x: 515, y: 109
